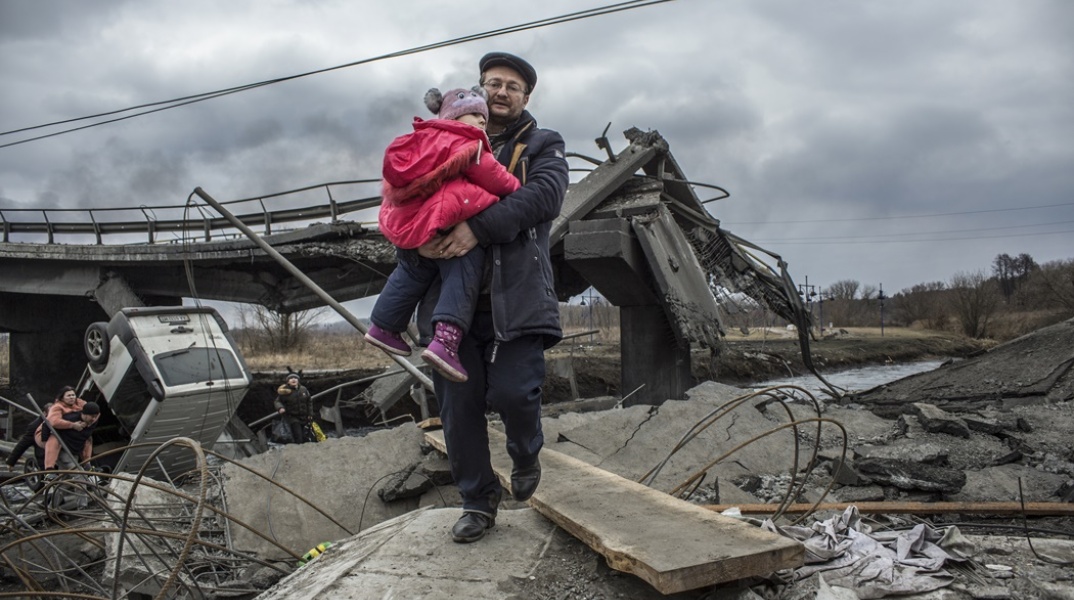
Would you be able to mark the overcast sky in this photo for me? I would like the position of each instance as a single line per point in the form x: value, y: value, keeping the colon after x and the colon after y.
x: 891, y: 143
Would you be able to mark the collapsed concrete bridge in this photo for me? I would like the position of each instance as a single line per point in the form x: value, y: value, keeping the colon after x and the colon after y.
x: 633, y: 228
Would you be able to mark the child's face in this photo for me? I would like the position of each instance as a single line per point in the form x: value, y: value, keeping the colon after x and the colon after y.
x: 473, y: 119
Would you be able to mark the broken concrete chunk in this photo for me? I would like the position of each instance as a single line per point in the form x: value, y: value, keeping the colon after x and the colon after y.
x: 983, y: 424
x: 936, y: 420
x: 437, y: 469
x: 860, y: 493
x: 408, y: 483
x: 928, y: 452
x: 842, y: 471
x: 908, y: 475
x: 908, y: 426
x: 1010, y: 457
x: 1066, y: 492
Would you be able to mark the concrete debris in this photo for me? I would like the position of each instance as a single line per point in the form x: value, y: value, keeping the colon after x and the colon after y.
x: 935, y: 420
x: 631, y: 441
x: 907, y: 475
x: 406, y: 484
x: 930, y: 453
x: 386, y: 503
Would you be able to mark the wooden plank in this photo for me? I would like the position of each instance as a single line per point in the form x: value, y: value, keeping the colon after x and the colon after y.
x: 669, y: 543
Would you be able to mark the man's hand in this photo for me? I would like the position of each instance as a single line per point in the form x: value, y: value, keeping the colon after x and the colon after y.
x: 282, y: 410
x: 457, y: 243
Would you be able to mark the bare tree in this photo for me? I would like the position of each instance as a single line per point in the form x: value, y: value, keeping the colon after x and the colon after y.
x: 1053, y: 283
x: 839, y: 308
x: 922, y: 303
x: 276, y: 331
x: 846, y: 289
x: 1003, y: 270
x: 974, y: 299
x: 1012, y: 272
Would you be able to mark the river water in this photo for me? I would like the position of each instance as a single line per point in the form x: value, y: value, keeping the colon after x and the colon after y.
x: 856, y: 380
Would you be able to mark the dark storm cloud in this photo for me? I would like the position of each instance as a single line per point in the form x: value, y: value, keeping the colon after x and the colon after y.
x: 887, y: 166
x: 819, y: 111
x: 49, y: 18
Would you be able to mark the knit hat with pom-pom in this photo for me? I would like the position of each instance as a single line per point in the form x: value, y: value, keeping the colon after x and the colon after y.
x: 458, y: 102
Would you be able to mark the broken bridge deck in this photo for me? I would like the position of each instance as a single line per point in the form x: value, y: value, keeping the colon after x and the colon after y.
x: 669, y: 543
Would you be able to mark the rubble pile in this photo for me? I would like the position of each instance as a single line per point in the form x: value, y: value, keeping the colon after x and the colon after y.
x: 382, y: 505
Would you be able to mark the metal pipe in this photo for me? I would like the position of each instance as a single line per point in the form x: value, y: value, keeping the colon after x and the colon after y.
x: 914, y: 508
x: 299, y: 275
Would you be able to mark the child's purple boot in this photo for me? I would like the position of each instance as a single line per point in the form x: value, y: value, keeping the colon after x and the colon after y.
x: 443, y: 352
x: 388, y: 341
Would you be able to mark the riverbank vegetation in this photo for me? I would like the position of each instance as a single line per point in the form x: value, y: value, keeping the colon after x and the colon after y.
x: 1017, y: 297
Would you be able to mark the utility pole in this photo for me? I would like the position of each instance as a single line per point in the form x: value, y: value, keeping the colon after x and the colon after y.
x: 820, y: 309
x: 882, y: 297
x: 807, y: 292
x: 583, y: 303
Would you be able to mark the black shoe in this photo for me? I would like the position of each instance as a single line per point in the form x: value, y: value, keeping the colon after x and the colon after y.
x: 524, y: 481
x: 471, y: 527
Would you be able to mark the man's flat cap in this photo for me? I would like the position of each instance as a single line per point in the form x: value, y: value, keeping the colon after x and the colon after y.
x: 503, y: 59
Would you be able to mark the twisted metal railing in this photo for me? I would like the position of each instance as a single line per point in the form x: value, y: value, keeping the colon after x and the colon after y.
x: 269, y: 210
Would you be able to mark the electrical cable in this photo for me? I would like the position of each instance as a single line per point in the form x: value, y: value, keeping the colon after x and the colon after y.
x: 195, y: 98
x: 890, y: 217
x: 917, y: 241
x: 902, y: 235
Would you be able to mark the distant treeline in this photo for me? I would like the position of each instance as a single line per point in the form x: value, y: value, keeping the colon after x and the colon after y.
x: 1018, y: 296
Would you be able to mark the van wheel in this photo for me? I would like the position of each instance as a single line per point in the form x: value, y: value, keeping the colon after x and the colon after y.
x: 33, y: 476
x: 96, y: 344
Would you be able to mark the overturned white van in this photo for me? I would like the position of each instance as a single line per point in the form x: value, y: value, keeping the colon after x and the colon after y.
x: 160, y: 373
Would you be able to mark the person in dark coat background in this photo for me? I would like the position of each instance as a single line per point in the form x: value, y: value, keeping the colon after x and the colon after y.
x: 27, y: 440
x: 294, y: 403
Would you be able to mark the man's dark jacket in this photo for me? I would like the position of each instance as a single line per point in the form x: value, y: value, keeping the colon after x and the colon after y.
x: 515, y: 230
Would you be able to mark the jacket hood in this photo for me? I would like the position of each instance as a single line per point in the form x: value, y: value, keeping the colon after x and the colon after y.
x: 417, y: 164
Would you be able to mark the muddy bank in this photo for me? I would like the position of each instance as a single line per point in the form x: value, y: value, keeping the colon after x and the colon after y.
x: 596, y: 367
x: 748, y: 361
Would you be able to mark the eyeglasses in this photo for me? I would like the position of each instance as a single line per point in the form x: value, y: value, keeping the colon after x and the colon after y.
x: 494, y: 85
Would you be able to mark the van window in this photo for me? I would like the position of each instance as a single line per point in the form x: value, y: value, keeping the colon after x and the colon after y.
x: 193, y: 365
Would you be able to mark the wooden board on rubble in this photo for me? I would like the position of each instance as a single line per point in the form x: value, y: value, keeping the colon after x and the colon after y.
x: 671, y: 544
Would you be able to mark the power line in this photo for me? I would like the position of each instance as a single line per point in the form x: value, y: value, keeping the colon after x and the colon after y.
x: 925, y: 216
x: 192, y: 99
x: 874, y: 236
x: 840, y: 242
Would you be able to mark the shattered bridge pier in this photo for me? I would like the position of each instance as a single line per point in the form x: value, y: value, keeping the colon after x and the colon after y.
x: 635, y: 230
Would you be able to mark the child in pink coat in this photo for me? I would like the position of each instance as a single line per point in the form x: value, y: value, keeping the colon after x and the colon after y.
x: 440, y: 175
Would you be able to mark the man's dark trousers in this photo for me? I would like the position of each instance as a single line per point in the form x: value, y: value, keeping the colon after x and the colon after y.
x: 510, y: 386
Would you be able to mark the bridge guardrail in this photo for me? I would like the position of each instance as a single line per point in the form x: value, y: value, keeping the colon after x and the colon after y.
x: 294, y: 207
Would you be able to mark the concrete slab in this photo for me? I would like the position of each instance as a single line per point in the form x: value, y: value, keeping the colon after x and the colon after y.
x: 631, y: 441
x: 338, y: 475
x: 1002, y: 483
x: 412, y: 556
